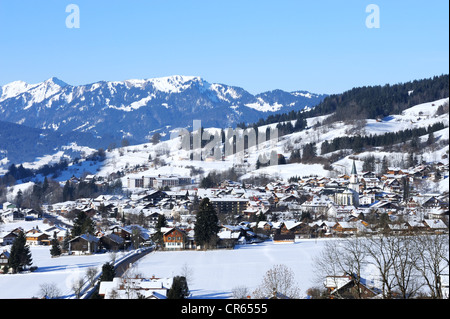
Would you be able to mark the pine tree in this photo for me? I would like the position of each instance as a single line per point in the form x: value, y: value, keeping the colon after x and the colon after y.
x: 108, y: 272
x: 65, y: 244
x: 206, y: 226
x: 179, y: 289
x: 20, y: 255
x: 68, y: 191
x: 384, y: 165
x: 295, y: 156
x: 56, y: 249
x: 162, y: 222
x: 431, y: 139
x: 45, y: 185
x: 19, y: 198
x: 82, y: 224
x: 258, y: 163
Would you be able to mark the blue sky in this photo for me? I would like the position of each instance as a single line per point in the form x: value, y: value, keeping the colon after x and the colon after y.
x: 322, y: 46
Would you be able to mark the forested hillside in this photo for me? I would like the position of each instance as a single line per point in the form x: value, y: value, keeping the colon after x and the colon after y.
x: 370, y: 102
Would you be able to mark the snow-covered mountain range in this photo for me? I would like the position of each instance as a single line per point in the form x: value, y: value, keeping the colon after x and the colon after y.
x: 135, y: 109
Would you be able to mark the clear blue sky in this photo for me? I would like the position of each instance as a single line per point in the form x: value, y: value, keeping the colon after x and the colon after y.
x: 322, y: 46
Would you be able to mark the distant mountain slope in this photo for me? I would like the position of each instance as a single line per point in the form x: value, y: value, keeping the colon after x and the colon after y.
x: 20, y: 143
x: 134, y: 109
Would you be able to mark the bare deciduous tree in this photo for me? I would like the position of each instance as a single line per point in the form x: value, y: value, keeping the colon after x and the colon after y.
x: 279, y: 279
x: 91, y: 273
x: 381, y: 252
x: 405, y: 264
x: 433, y: 261
x: 77, y: 287
x: 240, y: 292
x: 49, y: 290
x: 187, y: 273
x: 405, y: 272
x: 343, y: 257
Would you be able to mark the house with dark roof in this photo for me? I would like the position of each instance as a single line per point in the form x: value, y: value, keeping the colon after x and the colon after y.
x: 84, y: 244
x: 4, y: 258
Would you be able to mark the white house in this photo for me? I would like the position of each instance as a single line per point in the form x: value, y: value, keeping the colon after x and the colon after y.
x: 134, y: 288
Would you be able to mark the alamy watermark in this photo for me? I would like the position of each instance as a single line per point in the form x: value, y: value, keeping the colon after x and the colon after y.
x: 202, y: 144
x: 73, y: 19
x: 373, y: 19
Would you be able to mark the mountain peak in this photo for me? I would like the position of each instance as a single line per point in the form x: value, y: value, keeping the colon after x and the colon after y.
x: 55, y: 80
x: 174, y: 83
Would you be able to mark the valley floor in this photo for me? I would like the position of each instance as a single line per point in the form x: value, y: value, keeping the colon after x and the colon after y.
x: 212, y: 274
x: 215, y: 273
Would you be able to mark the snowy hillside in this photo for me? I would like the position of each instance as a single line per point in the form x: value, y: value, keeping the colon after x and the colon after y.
x: 172, y: 159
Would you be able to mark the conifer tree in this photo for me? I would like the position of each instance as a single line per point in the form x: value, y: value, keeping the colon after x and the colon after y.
x: 108, y: 272
x: 179, y: 289
x: 206, y: 226
x: 20, y: 255
x: 82, y: 224
x: 56, y: 249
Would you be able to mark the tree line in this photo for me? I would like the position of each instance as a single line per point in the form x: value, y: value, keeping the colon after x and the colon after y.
x: 357, y: 143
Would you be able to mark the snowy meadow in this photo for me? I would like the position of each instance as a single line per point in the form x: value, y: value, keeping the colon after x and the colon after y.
x: 215, y: 273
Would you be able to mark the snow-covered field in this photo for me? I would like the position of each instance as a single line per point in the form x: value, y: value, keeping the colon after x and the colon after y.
x: 61, y: 271
x: 214, y: 274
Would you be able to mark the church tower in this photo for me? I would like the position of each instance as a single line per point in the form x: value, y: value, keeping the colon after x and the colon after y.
x: 354, y: 181
x: 351, y: 195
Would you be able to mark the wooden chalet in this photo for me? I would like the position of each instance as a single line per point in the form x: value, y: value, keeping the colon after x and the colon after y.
x: 4, y: 258
x: 84, y: 244
x: 174, y: 238
x: 436, y: 225
x: 37, y: 238
x: 9, y: 238
x: 347, y: 287
x: 112, y: 242
x: 127, y: 233
x: 434, y: 202
x: 345, y: 228
x: 288, y: 238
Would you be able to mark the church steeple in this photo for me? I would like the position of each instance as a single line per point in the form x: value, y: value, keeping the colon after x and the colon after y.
x: 354, y: 180
x: 354, y: 169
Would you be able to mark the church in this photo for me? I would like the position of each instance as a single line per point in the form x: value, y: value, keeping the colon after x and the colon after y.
x: 350, y: 196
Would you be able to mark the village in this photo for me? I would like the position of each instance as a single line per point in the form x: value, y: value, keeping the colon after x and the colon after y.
x: 310, y: 207
x: 159, y: 213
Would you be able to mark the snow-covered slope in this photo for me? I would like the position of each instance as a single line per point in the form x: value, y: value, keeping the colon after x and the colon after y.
x: 139, y: 160
x: 172, y: 158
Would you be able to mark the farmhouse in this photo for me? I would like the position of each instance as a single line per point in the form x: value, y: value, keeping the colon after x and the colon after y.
x: 84, y: 244
x: 435, y: 225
